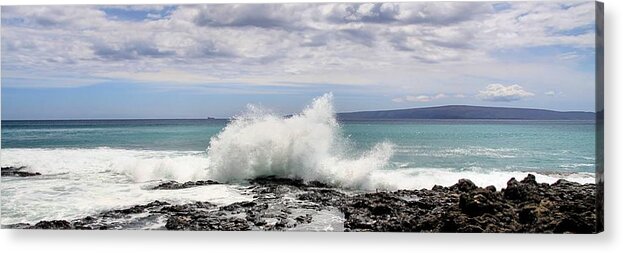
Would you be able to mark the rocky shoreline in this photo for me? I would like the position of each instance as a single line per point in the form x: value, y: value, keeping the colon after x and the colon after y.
x: 285, y: 204
x: 17, y: 172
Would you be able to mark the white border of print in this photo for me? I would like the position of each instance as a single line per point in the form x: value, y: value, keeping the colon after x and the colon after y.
x: 160, y: 241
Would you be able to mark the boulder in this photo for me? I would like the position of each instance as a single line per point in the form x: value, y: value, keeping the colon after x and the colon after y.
x: 17, y: 172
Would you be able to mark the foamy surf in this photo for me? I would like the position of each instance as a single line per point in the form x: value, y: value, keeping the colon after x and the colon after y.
x: 80, y: 182
x: 144, y: 166
x: 308, y: 145
x: 136, y: 165
x: 426, y: 178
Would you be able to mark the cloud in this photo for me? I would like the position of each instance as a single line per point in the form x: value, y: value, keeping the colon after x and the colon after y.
x: 398, y: 100
x: 248, y: 15
x: 552, y: 93
x: 129, y: 51
x: 53, y: 16
x: 568, y: 56
x: 501, y: 93
x: 405, y: 13
x: 419, y: 98
x: 382, y: 44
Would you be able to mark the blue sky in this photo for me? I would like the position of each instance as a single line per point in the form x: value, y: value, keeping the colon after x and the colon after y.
x: 195, y: 61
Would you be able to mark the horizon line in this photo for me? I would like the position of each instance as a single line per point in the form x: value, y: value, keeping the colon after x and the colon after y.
x: 287, y: 115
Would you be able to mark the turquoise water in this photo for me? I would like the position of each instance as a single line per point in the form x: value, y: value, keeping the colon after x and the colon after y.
x: 91, y: 166
x: 542, y: 146
x: 511, y: 145
x: 182, y: 135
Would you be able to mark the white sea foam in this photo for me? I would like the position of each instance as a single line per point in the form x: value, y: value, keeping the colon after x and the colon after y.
x: 137, y: 165
x: 425, y: 151
x: 306, y: 145
x: 80, y: 182
x: 419, y: 178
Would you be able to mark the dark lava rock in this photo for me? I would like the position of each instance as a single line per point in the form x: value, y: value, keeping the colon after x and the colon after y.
x: 325, y: 197
x: 523, y: 207
x: 479, y: 202
x: 438, y: 188
x: 491, y: 188
x: 526, y: 190
x: 53, y: 224
x: 206, y: 223
x: 382, y: 211
x: 187, y: 208
x: 270, y: 209
x: 464, y: 185
x: 17, y: 172
x: 281, y: 204
x: 133, y: 210
x: 17, y: 226
x: 272, y: 180
x: 173, y: 185
x: 304, y: 218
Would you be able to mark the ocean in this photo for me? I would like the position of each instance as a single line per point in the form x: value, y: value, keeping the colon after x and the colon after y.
x: 89, y: 166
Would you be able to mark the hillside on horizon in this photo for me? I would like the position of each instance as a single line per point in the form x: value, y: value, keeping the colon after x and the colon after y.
x: 468, y: 112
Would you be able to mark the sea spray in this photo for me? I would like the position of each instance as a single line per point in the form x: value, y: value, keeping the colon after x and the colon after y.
x: 308, y: 146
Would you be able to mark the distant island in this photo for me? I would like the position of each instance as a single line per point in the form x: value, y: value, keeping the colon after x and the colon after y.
x: 468, y: 112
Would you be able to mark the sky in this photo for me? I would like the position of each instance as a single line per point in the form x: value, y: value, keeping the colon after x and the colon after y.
x: 197, y: 61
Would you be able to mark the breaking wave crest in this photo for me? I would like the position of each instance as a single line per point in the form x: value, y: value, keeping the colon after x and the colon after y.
x: 307, y: 146
x: 120, y: 166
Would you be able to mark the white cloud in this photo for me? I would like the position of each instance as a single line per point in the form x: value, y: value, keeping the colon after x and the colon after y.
x: 419, y: 98
x: 552, y: 93
x: 275, y: 44
x: 57, y: 16
x: 440, y: 95
x: 501, y: 93
x: 568, y: 56
x: 398, y: 100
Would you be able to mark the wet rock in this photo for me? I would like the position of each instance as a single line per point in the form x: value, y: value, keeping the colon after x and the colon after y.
x: 464, y: 185
x: 530, y: 179
x: 519, y: 191
x: 270, y: 209
x: 53, y: 224
x: 523, y: 207
x: 575, y: 223
x: 173, y: 185
x: 17, y: 172
x: 282, y: 204
x: 382, y: 211
x: 179, y: 222
x: 438, y: 188
x: 304, y: 218
x: 299, y: 183
x: 479, y: 203
x: 133, y: 210
x: 527, y: 214
x: 188, y: 208
x: 17, y: 226
x: 326, y: 197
